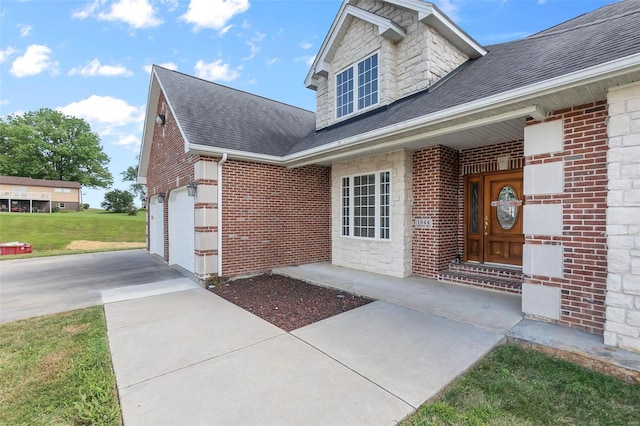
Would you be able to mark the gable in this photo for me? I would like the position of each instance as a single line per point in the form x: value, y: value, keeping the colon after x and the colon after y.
x: 427, y: 13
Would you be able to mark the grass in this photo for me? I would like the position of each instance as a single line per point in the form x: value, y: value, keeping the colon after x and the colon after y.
x: 50, y: 233
x: 57, y: 370
x: 516, y: 386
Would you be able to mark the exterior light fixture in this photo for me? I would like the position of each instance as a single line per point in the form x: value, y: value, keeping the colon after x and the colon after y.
x: 160, y: 119
x: 144, y: 202
x: 191, y: 188
x: 161, y: 197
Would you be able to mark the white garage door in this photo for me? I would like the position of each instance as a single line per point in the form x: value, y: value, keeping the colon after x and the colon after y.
x: 156, y: 227
x: 181, y: 232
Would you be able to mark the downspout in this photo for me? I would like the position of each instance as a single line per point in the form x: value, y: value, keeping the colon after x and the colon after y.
x: 220, y: 163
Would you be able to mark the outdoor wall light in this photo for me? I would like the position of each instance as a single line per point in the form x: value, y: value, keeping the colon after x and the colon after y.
x: 161, y: 197
x: 144, y: 202
x: 160, y: 119
x: 191, y: 188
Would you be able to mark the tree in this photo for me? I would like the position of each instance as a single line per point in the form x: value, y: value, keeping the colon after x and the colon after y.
x: 117, y: 201
x: 131, y: 175
x: 47, y: 144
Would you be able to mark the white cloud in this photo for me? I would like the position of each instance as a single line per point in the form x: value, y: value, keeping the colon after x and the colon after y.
x: 34, y: 61
x: 167, y: 65
x: 130, y: 142
x: 225, y: 30
x: 136, y: 13
x: 245, y: 24
x: 24, y: 29
x: 213, y: 13
x: 306, y: 45
x: 449, y: 7
x: 254, y: 44
x: 306, y: 59
x: 6, y: 53
x: 95, y: 68
x: 216, y: 71
x: 542, y: 1
x: 272, y: 61
x: 104, y: 110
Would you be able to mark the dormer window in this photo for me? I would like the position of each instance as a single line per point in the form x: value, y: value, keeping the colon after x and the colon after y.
x: 366, y: 76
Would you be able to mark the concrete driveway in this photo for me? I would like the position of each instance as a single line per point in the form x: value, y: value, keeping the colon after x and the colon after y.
x: 42, y: 286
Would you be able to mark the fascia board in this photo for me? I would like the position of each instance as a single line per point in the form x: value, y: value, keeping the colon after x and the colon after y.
x: 567, y: 81
x: 233, y: 154
x: 149, y: 122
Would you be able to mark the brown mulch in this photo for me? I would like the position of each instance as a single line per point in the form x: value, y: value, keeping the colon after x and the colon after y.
x: 286, y: 302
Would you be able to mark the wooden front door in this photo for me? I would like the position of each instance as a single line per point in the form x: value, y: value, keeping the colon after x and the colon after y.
x: 493, y: 218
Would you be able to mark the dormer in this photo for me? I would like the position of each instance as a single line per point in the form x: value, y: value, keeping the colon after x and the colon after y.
x: 377, y: 52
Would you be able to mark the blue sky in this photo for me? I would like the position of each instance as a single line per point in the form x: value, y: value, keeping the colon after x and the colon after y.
x: 91, y: 59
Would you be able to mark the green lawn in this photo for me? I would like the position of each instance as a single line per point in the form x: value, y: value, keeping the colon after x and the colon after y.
x: 57, y: 370
x: 516, y: 386
x: 50, y: 233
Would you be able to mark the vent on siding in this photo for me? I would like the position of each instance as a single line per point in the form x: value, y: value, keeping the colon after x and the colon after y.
x: 492, y: 166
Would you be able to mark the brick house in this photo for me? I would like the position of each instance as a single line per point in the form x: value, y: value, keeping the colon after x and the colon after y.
x: 22, y: 194
x: 514, y: 166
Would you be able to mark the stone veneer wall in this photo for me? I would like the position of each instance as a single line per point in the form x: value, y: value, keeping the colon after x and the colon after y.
x: 436, y: 194
x: 405, y: 67
x: 565, y: 185
x: 622, y: 328
x: 387, y: 257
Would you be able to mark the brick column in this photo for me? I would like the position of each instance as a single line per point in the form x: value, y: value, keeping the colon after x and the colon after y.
x: 206, y: 218
x: 622, y: 327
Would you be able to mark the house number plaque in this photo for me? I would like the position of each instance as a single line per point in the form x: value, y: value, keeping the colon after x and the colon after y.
x: 424, y: 222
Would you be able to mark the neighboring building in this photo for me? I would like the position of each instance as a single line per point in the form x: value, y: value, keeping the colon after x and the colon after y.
x: 24, y: 195
x: 429, y: 155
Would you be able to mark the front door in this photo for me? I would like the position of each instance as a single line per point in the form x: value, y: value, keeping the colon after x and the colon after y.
x: 493, y: 218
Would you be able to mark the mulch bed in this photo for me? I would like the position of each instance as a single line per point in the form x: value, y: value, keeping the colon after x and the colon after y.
x: 286, y: 302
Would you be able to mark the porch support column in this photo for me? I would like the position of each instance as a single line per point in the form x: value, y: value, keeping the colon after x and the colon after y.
x: 543, y: 218
x: 435, y: 207
x: 622, y: 327
x: 206, y: 219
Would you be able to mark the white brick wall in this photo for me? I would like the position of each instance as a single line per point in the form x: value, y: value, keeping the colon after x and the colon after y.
x: 406, y: 67
x: 387, y: 257
x: 622, y: 327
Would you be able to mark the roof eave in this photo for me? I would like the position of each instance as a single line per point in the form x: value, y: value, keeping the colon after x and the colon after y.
x: 604, y: 71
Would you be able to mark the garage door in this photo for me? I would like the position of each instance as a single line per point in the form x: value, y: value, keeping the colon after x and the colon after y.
x: 156, y: 227
x: 181, y: 233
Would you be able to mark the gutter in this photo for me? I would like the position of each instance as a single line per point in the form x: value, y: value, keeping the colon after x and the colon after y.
x: 220, y: 163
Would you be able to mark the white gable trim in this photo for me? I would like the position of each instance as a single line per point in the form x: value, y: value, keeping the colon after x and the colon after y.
x: 386, y: 28
x: 427, y: 13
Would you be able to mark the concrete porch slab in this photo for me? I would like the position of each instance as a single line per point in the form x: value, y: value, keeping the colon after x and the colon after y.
x: 409, y: 353
x: 156, y: 335
x: 491, y: 310
x: 279, y: 381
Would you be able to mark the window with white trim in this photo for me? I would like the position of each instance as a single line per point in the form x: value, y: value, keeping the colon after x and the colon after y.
x: 366, y: 206
x: 366, y: 76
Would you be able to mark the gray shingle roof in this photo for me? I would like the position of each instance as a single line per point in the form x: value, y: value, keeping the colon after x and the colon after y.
x: 218, y: 116
x: 609, y: 33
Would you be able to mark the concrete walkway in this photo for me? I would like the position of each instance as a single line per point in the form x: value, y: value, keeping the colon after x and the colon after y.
x: 190, y: 357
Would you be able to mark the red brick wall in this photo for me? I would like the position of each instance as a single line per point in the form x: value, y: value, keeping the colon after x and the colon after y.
x: 584, y: 201
x: 274, y: 216
x: 436, y: 193
x: 169, y: 166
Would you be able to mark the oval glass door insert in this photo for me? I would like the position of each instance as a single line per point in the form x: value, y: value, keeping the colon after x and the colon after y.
x: 507, y: 207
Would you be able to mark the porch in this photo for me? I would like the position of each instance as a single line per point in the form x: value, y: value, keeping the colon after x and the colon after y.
x: 490, y: 310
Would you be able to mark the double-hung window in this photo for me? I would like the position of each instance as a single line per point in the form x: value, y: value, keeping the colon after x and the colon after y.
x: 362, y: 77
x: 366, y: 207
